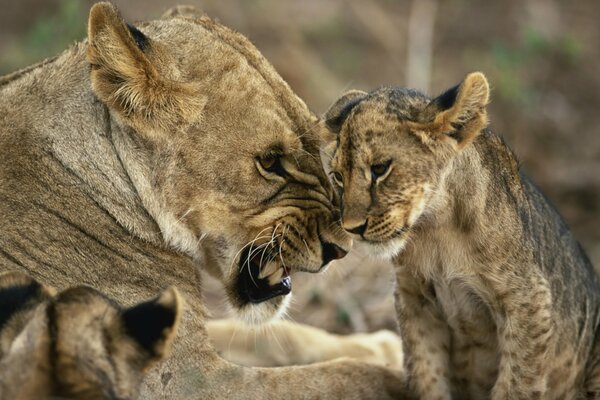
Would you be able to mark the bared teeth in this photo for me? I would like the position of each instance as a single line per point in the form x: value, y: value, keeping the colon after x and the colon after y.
x: 268, y: 270
x: 275, y: 277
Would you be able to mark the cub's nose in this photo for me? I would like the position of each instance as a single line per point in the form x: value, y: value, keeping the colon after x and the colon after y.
x: 331, y: 252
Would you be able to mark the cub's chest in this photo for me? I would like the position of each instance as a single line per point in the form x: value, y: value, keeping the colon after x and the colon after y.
x: 466, y: 313
x: 473, y: 347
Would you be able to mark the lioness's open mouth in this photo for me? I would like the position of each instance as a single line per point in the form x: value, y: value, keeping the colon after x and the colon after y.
x: 261, y: 278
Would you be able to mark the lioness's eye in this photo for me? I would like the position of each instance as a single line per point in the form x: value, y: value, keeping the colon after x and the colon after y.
x: 272, y: 163
x: 338, y: 178
x: 378, y: 170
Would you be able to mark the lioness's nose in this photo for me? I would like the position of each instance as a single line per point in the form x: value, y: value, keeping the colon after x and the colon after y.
x: 358, y: 229
x: 331, y: 252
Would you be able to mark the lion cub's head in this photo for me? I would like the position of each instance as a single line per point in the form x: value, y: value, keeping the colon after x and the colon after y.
x: 222, y: 152
x: 79, y: 344
x: 390, y: 150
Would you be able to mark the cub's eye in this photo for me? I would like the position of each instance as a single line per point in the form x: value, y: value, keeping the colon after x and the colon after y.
x: 272, y: 163
x: 337, y: 178
x: 378, y: 170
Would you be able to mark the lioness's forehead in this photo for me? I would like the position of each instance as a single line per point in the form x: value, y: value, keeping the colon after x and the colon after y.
x: 227, y: 66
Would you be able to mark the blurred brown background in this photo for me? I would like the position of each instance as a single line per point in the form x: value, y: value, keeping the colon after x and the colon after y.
x: 541, y: 57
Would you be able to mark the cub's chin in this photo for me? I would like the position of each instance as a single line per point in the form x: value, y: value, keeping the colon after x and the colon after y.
x: 385, y: 250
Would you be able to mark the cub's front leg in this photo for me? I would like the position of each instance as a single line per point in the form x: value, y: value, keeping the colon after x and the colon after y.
x: 426, y: 337
x: 526, y: 331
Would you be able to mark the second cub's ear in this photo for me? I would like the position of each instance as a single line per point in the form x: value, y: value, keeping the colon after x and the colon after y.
x: 153, y: 324
x: 460, y: 113
x: 19, y: 291
x: 339, y: 111
x: 127, y: 80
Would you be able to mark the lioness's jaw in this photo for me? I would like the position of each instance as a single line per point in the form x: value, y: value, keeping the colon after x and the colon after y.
x: 129, y: 76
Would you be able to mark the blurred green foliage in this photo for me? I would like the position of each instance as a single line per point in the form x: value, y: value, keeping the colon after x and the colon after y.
x: 48, y: 36
x: 512, y: 63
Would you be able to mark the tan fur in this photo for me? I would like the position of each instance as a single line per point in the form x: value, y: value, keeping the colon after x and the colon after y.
x: 495, y: 297
x: 77, y: 345
x: 138, y: 157
x: 281, y: 343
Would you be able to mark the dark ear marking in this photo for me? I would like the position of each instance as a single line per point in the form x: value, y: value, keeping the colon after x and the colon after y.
x: 341, y: 109
x: 18, y: 296
x: 146, y: 322
x: 152, y: 324
x: 140, y: 39
x: 460, y: 112
x: 335, y: 124
x: 447, y: 99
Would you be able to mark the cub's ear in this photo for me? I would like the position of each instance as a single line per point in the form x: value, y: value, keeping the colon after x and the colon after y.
x: 126, y: 79
x: 460, y: 112
x: 182, y: 11
x: 153, y: 324
x: 19, y: 291
x: 339, y: 111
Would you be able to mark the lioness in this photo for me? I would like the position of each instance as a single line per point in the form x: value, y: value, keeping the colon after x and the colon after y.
x: 495, y: 297
x: 148, y: 152
x: 79, y: 344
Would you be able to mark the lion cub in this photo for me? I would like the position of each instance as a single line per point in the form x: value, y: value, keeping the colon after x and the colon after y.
x: 495, y: 297
x: 78, y: 344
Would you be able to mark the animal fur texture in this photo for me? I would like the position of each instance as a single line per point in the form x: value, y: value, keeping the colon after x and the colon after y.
x: 495, y: 297
x: 146, y: 153
x: 78, y: 344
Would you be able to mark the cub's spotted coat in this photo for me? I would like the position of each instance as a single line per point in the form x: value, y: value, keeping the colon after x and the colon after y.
x: 495, y: 297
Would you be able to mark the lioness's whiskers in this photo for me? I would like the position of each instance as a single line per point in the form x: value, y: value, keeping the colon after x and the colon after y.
x: 243, y: 247
x: 280, y: 245
x: 185, y: 214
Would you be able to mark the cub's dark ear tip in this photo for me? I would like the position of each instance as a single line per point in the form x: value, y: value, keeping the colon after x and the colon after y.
x: 338, y: 112
x: 18, y: 291
x: 153, y: 323
x: 447, y: 99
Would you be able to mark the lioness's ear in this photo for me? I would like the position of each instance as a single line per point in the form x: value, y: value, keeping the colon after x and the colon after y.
x: 153, y: 324
x: 126, y: 79
x: 339, y: 111
x: 460, y: 112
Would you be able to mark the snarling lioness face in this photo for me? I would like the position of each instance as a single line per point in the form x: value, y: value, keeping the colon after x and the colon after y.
x: 389, y: 153
x: 223, y: 154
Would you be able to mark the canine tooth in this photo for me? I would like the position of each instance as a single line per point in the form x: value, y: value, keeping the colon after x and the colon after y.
x: 267, y: 270
x: 275, y: 277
